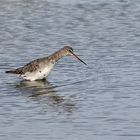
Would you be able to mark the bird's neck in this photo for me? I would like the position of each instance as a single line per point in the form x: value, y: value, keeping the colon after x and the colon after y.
x: 57, y: 55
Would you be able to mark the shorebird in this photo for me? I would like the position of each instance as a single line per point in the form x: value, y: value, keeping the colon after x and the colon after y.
x: 40, y: 68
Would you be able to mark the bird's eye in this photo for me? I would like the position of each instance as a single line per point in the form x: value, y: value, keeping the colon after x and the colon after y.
x: 70, y: 50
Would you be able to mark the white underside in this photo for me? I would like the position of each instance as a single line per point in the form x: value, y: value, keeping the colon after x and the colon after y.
x: 37, y: 75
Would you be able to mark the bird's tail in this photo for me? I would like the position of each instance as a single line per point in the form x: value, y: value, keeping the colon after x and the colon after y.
x: 11, y: 71
x: 14, y: 71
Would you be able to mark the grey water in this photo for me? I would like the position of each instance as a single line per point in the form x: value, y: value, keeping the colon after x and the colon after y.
x: 99, y: 101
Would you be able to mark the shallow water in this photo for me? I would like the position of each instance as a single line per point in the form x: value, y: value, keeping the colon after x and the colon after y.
x: 97, y: 101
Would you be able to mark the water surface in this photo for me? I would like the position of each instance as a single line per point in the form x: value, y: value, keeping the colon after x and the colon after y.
x: 97, y: 101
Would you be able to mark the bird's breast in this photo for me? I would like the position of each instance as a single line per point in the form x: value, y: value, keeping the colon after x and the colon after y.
x: 40, y: 73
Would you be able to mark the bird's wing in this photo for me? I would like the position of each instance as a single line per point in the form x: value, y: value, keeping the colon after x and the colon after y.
x: 30, y: 67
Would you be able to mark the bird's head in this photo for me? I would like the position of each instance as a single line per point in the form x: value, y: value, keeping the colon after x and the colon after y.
x: 70, y: 52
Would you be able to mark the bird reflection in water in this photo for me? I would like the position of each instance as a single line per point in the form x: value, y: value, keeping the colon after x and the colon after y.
x: 44, y: 93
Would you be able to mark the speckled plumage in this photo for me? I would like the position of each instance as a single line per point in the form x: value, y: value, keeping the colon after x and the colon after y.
x: 40, y: 68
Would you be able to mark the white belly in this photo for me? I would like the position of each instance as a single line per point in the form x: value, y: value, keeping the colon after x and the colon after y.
x: 38, y: 74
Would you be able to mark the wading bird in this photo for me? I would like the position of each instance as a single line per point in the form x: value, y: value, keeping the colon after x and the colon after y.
x: 40, y: 68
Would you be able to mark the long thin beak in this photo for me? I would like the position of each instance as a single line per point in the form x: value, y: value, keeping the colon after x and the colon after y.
x: 78, y: 58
